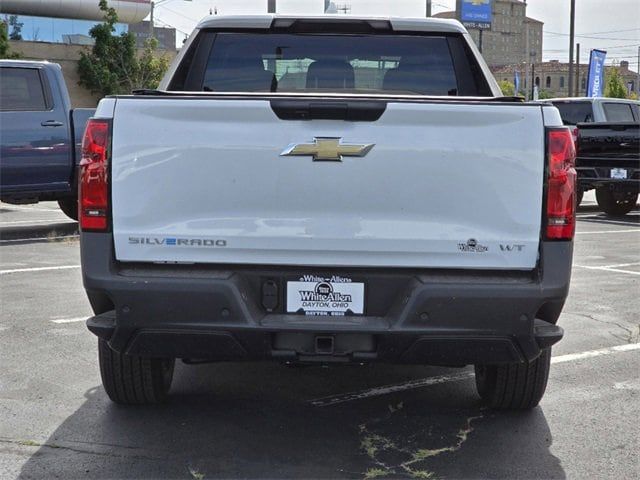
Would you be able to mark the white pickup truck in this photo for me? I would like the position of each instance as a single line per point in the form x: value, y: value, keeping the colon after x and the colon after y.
x: 332, y: 190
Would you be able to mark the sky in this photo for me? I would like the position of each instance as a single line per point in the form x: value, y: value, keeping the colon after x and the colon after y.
x: 612, y: 25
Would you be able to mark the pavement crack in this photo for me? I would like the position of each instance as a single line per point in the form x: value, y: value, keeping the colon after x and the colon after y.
x: 632, y: 335
x: 377, y: 445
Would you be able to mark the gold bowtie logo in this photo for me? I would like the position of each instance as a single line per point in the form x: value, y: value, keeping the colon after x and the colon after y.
x: 327, y: 148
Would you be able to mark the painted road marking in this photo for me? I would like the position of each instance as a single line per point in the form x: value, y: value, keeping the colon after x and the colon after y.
x: 425, y: 382
x: 37, y: 269
x: 16, y: 222
x: 70, y: 320
x: 636, y: 230
x: 596, y: 219
x: 608, y: 269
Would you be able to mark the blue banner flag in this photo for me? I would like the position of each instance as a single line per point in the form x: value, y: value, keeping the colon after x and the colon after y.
x: 595, y: 83
x: 476, y: 13
x: 516, y: 82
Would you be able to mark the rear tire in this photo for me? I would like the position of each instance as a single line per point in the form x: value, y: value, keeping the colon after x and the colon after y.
x: 69, y: 207
x: 514, y: 386
x: 579, y: 196
x: 134, y: 380
x: 612, y: 206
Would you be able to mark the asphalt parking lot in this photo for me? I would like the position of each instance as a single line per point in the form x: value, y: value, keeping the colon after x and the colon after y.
x: 247, y: 420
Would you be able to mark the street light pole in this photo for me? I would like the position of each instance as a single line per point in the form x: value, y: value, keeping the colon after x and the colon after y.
x: 151, y: 32
x: 572, y: 35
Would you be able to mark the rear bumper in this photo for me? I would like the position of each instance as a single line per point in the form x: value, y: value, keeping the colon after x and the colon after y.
x: 427, y: 316
x: 594, y: 177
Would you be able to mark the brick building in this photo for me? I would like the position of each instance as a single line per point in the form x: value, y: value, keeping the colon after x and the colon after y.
x: 552, y: 77
x: 512, y: 34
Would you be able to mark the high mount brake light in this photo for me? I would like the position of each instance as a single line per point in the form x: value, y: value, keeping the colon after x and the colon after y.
x: 93, y: 185
x: 561, y: 188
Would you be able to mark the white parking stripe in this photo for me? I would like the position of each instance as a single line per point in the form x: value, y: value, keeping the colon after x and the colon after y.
x: 37, y: 269
x: 17, y: 222
x: 607, y: 269
x: 636, y: 230
x: 69, y: 320
x: 425, y: 382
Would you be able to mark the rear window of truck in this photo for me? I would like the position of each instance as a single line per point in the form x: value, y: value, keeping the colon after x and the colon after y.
x: 575, y: 112
x: 333, y: 63
x: 618, y: 112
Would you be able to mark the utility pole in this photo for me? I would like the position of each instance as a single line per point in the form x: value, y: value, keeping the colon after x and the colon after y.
x: 572, y: 35
x: 527, y: 58
x: 151, y: 32
x: 577, y: 92
x: 271, y: 6
x: 428, y: 8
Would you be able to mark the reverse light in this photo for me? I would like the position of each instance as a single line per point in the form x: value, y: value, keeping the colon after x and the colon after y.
x: 93, y: 184
x: 561, y: 186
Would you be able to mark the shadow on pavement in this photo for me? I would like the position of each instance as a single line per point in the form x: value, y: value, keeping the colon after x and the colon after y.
x: 255, y: 421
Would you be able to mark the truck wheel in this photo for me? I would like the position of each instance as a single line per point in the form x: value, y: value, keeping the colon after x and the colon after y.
x: 514, y: 386
x: 579, y: 196
x: 134, y: 380
x: 611, y: 205
x: 69, y: 207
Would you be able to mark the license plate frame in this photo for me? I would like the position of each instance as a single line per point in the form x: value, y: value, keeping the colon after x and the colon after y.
x: 619, y: 173
x: 321, y: 295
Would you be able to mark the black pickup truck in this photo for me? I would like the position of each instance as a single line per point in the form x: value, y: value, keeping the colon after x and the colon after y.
x: 606, y: 135
x: 608, y: 159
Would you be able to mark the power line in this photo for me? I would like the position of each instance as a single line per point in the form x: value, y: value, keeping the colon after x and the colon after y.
x: 590, y: 37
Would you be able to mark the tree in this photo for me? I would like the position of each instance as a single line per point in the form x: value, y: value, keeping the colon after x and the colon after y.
x: 5, y: 51
x: 508, y: 88
x: 615, y: 87
x: 113, y: 66
x: 16, y: 28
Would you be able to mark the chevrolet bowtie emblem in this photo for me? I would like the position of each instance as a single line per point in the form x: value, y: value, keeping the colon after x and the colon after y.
x: 327, y: 148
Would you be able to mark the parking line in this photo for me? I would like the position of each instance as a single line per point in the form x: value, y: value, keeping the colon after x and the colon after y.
x: 69, y: 320
x: 425, y: 382
x: 608, y: 269
x: 636, y: 230
x: 17, y: 222
x: 37, y: 269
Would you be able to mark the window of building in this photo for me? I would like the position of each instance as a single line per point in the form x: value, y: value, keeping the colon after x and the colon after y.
x: 561, y: 82
x: 537, y: 81
x: 548, y: 82
x: 583, y: 83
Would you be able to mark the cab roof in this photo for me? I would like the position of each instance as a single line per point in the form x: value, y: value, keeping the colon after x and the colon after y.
x: 397, y: 24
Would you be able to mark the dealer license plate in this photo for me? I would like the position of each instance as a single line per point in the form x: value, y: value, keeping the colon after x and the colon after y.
x: 619, y: 173
x: 328, y: 296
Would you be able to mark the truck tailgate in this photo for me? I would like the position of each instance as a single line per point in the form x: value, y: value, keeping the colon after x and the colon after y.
x: 446, y: 185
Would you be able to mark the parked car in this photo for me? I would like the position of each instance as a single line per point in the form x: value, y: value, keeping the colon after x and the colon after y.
x: 606, y: 134
x: 327, y: 190
x: 40, y: 135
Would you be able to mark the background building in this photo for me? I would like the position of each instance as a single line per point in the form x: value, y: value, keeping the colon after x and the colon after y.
x: 166, y: 36
x: 552, y: 77
x: 511, y: 36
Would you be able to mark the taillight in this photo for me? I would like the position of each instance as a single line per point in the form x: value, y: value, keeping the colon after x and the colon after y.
x: 93, y: 185
x: 561, y: 188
